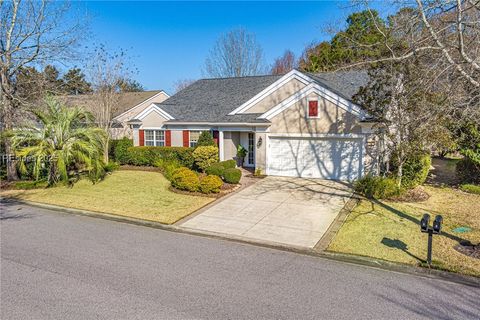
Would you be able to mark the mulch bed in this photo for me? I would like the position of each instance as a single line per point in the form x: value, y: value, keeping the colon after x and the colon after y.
x: 224, y: 190
x: 468, y: 249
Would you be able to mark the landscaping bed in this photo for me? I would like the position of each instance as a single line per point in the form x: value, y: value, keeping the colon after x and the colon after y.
x: 136, y: 194
x: 390, y: 230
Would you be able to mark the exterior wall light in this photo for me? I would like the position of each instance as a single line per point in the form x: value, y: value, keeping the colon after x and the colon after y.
x: 259, y: 142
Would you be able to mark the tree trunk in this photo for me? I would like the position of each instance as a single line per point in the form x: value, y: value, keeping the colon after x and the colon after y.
x: 7, y: 118
x: 106, y: 149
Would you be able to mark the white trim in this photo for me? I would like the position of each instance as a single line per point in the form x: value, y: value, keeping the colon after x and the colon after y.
x: 138, y: 105
x: 221, y: 145
x: 153, y: 108
x: 321, y: 91
x: 153, y: 128
x: 318, y: 135
x: 225, y: 124
x: 294, y: 74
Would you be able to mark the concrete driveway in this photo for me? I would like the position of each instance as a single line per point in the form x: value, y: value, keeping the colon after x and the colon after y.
x: 290, y: 211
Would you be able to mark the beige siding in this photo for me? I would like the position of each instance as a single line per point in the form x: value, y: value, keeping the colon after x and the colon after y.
x: 126, y: 131
x: 332, y: 119
x: 261, y: 152
x: 277, y: 96
x: 230, y: 143
x: 153, y: 120
x: 177, y: 138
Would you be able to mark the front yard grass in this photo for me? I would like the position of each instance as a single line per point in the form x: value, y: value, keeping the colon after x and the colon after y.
x: 137, y: 194
x: 390, y: 230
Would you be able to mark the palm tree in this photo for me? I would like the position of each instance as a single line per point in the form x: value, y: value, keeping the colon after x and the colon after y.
x: 64, y: 142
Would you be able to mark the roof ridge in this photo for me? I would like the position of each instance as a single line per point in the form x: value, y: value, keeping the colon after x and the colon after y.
x: 254, y: 76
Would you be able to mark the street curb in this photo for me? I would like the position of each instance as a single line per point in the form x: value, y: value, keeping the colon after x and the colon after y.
x: 341, y: 257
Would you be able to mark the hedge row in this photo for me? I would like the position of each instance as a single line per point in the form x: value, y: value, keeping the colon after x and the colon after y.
x: 123, y: 152
x: 225, y: 170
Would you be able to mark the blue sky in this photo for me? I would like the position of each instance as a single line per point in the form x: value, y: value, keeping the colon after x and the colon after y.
x: 168, y: 41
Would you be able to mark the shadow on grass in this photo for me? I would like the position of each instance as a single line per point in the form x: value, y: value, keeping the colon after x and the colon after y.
x: 414, y: 220
x: 399, y: 244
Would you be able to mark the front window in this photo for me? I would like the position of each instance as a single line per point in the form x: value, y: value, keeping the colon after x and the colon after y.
x: 194, y: 135
x: 155, y: 138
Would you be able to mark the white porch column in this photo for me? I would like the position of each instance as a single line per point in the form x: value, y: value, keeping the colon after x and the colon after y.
x: 220, y: 145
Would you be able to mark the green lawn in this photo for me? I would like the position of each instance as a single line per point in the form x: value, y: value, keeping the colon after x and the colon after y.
x: 390, y: 230
x: 137, y: 194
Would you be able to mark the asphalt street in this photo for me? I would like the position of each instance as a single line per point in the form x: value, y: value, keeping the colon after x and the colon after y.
x: 63, y: 266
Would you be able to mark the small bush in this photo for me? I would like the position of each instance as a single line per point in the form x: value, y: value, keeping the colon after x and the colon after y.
x: 470, y: 188
x: 216, y: 169
x: 205, y: 156
x: 232, y: 175
x: 468, y: 171
x: 415, y: 171
x: 185, y: 179
x: 210, y: 184
x: 228, y: 164
x: 377, y: 187
x: 168, y: 167
x: 119, y: 150
x: 148, y: 156
x: 111, y: 166
x: 205, y: 139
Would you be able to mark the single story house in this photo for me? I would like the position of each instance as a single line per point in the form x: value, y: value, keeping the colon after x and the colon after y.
x: 298, y: 124
x: 128, y: 105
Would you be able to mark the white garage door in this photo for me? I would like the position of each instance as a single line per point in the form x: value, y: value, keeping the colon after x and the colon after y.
x: 326, y: 158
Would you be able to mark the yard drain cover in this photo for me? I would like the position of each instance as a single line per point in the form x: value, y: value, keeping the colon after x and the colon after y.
x: 462, y: 230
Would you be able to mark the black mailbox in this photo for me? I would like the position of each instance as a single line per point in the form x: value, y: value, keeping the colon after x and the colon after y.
x: 424, y: 222
x: 437, y: 224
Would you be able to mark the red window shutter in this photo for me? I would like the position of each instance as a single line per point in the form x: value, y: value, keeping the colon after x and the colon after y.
x: 141, y: 138
x: 313, y: 108
x: 168, y: 138
x: 186, y: 138
x: 215, y: 137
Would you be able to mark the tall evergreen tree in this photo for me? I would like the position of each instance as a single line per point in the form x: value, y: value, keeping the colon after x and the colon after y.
x: 75, y: 82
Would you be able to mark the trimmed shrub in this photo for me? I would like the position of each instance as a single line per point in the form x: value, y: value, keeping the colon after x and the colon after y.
x: 415, y: 171
x: 168, y: 167
x: 468, y: 171
x: 377, y: 187
x: 216, y: 169
x: 119, y: 150
x: 210, y: 184
x: 148, y: 156
x: 205, y: 139
x: 185, y: 179
x: 205, y: 156
x: 470, y: 188
x: 232, y: 175
x: 228, y: 164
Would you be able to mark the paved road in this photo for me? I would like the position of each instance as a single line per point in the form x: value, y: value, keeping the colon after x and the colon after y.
x: 62, y: 266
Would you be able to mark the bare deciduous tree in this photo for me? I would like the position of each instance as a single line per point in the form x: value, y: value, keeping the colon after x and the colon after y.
x: 182, y: 84
x: 107, y: 73
x: 235, y: 54
x: 31, y: 33
x: 448, y: 34
x: 285, y: 63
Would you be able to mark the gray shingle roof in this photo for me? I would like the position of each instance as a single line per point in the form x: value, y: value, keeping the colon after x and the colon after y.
x: 210, y: 100
x: 344, y: 83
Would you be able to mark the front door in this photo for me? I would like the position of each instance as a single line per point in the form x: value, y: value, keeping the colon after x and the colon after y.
x: 251, y: 149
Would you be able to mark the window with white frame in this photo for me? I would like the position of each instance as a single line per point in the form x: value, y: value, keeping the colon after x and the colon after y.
x: 155, y: 138
x: 312, y: 108
x: 194, y: 135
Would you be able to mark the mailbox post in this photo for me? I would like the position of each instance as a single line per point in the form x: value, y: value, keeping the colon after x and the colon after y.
x: 424, y: 227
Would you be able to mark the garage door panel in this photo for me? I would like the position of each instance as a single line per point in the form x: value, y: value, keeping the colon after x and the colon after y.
x: 337, y: 159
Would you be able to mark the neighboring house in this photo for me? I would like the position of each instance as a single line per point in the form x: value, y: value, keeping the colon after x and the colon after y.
x: 298, y: 124
x: 129, y: 104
